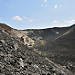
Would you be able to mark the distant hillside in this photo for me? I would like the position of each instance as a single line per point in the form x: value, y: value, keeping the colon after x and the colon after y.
x: 64, y: 42
x: 47, y: 33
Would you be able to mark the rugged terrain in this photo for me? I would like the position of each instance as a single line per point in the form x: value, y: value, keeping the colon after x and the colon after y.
x: 37, y: 52
x: 59, y: 45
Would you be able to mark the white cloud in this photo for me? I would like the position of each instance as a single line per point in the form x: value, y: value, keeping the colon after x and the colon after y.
x: 30, y: 20
x: 24, y: 18
x: 54, y: 21
x: 41, y: 5
x: 56, y: 6
x: 70, y: 21
x: 59, y: 25
x: 72, y: 18
x: 17, y: 18
x: 45, y: 1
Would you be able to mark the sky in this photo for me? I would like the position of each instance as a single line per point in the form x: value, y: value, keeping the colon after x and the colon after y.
x: 37, y: 14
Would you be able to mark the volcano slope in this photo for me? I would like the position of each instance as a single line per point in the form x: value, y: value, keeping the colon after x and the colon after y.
x: 63, y: 45
x: 59, y: 44
x: 62, y: 49
x: 18, y: 59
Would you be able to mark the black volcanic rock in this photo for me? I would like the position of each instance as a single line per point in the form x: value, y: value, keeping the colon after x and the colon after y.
x: 60, y: 44
x: 18, y: 59
x: 62, y: 48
